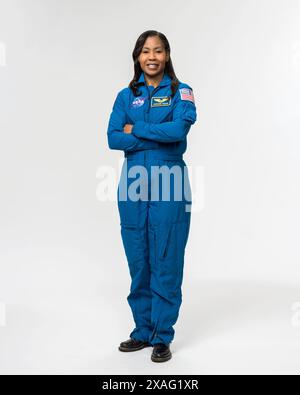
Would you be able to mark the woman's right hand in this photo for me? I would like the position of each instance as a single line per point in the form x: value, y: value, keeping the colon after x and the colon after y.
x: 128, y: 128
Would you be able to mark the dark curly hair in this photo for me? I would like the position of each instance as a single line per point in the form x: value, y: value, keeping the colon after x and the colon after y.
x: 133, y: 85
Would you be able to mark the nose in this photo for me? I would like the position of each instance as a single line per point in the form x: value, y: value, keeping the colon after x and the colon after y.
x: 151, y: 56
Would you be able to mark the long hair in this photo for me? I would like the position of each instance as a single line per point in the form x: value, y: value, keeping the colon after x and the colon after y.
x: 137, y: 68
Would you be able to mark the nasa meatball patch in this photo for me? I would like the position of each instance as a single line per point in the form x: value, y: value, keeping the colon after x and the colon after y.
x: 138, y: 102
x: 187, y: 94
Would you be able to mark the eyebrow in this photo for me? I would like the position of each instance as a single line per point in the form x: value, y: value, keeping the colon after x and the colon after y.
x: 154, y: 48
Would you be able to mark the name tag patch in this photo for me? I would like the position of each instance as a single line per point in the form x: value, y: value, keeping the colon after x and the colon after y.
x: 161, y: 101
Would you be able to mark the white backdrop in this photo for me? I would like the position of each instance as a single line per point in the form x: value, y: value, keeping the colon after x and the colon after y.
x: 63, y: 274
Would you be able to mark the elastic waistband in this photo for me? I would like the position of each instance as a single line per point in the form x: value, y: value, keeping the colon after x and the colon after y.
x: 152, y: 154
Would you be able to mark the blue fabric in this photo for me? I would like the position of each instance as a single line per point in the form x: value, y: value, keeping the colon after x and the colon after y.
x: 154, y: 232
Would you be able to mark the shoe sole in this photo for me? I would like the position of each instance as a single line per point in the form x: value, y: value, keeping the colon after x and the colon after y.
x: 125, y: 349
x: 161, y: 359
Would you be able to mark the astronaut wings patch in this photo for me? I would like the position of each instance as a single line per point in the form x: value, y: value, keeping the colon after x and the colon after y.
x: 187, y: 94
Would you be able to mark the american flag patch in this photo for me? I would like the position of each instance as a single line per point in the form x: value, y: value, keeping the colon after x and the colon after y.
x: 187, y: 94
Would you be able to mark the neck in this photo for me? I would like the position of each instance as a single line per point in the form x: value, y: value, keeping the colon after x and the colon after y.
x: 154, y: 81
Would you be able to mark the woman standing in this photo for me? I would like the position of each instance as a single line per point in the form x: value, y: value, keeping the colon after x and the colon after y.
x: 150, y: 121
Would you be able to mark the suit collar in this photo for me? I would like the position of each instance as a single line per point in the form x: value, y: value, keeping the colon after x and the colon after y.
x: 166, y: 80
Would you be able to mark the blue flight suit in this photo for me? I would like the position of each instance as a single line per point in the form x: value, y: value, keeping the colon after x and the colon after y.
x: 154, y: 232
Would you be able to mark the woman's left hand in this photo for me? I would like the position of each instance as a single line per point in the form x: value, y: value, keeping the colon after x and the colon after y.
x: 128, y: 128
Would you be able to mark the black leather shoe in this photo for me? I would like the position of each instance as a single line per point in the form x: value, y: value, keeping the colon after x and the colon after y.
x: 133, y: 345
x: 161, y: 353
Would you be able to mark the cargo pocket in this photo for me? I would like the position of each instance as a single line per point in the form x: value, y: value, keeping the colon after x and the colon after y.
x: 166, y: 242
x: 153, y: 250
x: 172, y: 257
x: 173, y: 240
x: 132, y: 243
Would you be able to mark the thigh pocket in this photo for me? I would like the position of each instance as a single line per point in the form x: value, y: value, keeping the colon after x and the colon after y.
x: 171, y: 249
x: 165, y: 242
x: 131, y: 236
x: 172, y: 241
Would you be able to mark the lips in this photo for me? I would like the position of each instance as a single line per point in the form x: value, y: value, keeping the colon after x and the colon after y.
x: 152, y: 65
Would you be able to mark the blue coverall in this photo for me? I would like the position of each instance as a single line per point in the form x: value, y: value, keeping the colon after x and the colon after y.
x: 154, y: 233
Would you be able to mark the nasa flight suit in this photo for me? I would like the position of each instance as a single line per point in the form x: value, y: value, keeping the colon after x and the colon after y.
x: 154, y: 231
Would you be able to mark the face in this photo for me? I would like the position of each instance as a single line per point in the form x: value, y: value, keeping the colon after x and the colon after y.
x: 153, y: 57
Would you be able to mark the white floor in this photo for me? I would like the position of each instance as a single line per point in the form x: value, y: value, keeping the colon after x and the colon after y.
x: 65, y: 321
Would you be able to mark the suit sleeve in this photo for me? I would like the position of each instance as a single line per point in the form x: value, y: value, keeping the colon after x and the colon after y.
x: 184, y: 115
x: 117, y: 139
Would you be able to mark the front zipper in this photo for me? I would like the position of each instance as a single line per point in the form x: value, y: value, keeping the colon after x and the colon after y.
x: 150, y: 98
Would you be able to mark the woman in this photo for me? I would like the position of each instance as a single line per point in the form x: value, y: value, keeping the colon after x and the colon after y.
x: 149, y: 122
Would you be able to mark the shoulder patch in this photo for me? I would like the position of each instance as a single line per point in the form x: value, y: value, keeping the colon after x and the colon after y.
x: 187, y: 94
